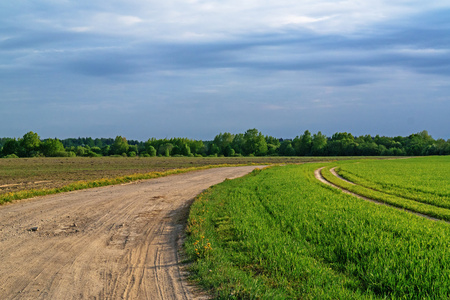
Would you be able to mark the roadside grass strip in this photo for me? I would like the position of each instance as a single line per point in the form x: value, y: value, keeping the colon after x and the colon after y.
x: 281, y: 234
x: 424, y: 179
x: 400, y: 202
x: 80, y: 185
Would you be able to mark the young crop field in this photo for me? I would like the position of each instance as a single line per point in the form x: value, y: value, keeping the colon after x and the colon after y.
x: 394, y: 182
x: 279, y: 233
x: 423, y: 179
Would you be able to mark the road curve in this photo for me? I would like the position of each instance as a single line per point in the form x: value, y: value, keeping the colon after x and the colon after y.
x: 116, y: 242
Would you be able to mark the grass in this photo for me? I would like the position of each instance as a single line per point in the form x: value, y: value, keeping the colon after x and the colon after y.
x: 281, y: 234
x: 424, y: 179
x: 401, y: 196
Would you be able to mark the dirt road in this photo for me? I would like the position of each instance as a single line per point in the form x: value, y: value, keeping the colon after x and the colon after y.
x: 116, y: 242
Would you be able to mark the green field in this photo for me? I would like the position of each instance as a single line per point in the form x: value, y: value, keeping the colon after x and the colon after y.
x: 281, y: 234
x: 424, y: 179
x: 394, y: 182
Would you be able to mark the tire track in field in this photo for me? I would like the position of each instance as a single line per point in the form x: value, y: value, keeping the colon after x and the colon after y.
x: 322, y: 179
x: 115, y: 242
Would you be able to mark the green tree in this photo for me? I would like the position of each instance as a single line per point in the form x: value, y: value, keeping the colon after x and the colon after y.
x: 286, y: 148
x: 119, y: 146
x: 385, y: 141
x: 52, y: 148
x: 272, y: 145
x: 417, y: 143
x: 303, y: 144
x: 213, y: 149
x: 132, y: 148
x: 30, y: 144
x: 81, y: 151
x: 222, y: 141
x: 151, y: 151
x: 150, y: 143
x: 11, y: 146
x: 106, y: 150
x: 165, y: 149
x: 197, y: 147
x: 342, y: 143
x: 254, y: 143
x: 97, y: 150
x: 318, y: 144
x: 185, y: 150
x: 364, y: 139
x: 370, y: 149
x: 238, y: 143
x: 228, y: 151
x: 439, y: 147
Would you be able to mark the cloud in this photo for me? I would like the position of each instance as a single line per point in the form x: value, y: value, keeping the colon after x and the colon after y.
x: 221, y: 61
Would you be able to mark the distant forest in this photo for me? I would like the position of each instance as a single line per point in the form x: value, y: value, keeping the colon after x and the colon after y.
x: 250, y: 143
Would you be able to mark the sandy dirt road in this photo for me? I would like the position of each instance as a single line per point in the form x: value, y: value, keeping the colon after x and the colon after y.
x: 116, y: 242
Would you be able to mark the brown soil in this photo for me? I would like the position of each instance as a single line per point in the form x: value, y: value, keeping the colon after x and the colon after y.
x: 116, y: 242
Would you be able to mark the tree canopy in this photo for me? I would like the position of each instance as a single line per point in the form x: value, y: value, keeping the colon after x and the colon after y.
x: 250, y: 143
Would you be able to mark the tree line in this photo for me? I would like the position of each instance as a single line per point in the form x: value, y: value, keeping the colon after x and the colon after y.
x: 250, y: 143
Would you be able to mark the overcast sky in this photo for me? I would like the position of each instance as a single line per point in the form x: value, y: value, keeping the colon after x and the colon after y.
x: 193, y: 68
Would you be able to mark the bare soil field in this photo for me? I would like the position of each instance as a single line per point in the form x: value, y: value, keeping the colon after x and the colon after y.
x: 115, y: 242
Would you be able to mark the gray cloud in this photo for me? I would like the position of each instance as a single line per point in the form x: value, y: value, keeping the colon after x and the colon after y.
x: 419, y: 50
x: 83, y: 60
x: 103, y: 55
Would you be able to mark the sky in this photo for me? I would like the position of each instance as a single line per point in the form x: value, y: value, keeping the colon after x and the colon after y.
x: 195, y: 68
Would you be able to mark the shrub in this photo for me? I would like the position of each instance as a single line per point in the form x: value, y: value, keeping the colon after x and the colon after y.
x: 152, y: 151
x: 63, y: 154
x: 92, y: 154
